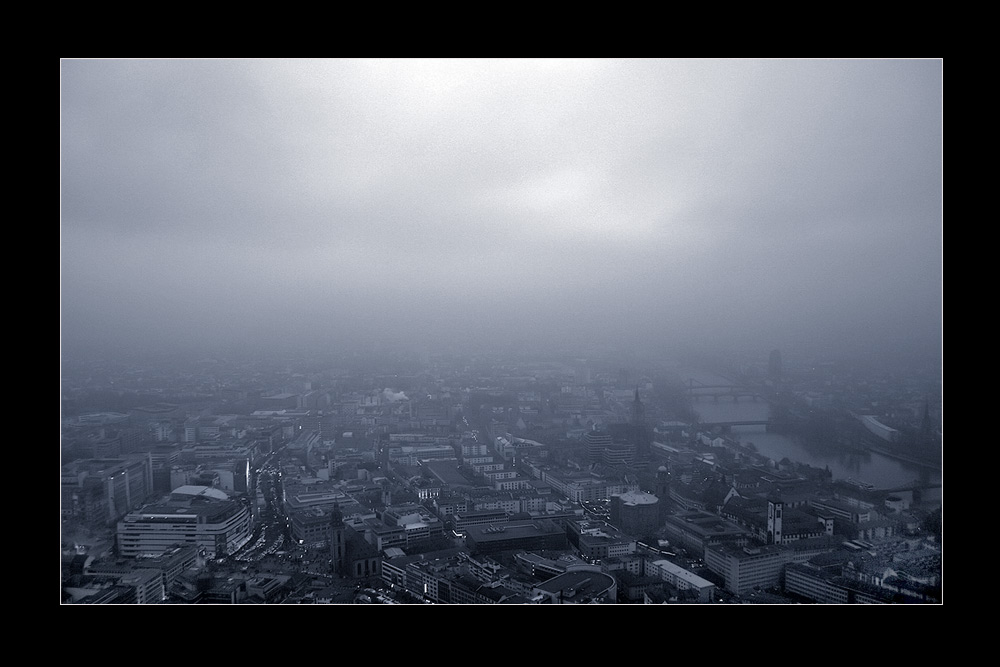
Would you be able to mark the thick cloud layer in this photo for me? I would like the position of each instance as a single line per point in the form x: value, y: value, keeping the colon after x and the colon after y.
x: 666, y: 202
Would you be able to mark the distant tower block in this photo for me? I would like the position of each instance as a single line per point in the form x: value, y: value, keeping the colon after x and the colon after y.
x: 774, y: 508
x: 774, y: 366
x: 596, y: 442
x: 637, y: 417
x: 662, y: 490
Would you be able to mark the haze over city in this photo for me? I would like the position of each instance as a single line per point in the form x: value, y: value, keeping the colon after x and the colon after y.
x: 501, y: 331
x: 661, y: 203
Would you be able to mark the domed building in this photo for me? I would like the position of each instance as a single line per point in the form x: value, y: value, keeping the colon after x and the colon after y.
x: 581, y: 587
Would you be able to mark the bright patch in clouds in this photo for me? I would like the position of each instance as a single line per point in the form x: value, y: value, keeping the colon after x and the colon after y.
x: 666, y: 194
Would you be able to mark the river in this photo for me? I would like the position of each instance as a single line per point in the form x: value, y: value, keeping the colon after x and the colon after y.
x: 882, y: 471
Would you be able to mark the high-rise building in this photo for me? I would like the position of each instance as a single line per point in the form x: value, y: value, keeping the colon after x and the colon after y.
x: 662, y: 490
x: 596, y: 442
x: 637, y: 424
x: 104, y: 490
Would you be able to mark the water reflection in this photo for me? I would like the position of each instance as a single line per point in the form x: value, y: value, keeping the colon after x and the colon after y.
x: 877, y: 469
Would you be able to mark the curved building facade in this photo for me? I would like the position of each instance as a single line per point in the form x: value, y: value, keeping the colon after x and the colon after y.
x: 577, y: 588
x: 198, y: 516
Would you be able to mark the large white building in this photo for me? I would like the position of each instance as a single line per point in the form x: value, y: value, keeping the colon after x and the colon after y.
x: 199, y: 516
x: 579, y: 486
x: 681, y: 579
x: 745, y: 568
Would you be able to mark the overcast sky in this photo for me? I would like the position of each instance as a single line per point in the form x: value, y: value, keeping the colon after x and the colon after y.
x: 666, y: 202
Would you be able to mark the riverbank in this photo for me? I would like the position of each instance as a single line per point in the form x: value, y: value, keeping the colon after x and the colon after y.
x: 824, y: 445
x: 907, y: 459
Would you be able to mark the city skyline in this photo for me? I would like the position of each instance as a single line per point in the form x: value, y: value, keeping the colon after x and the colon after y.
x: 501, y: 331
x: 303, y: 481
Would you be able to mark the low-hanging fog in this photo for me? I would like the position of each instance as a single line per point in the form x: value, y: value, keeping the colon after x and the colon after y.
x: 307, y: 204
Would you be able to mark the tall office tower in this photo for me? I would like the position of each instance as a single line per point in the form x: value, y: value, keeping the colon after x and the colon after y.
x: 637, y: 422
x: 596, y: 442
x: 662, y: 489
x: 774, y: 366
